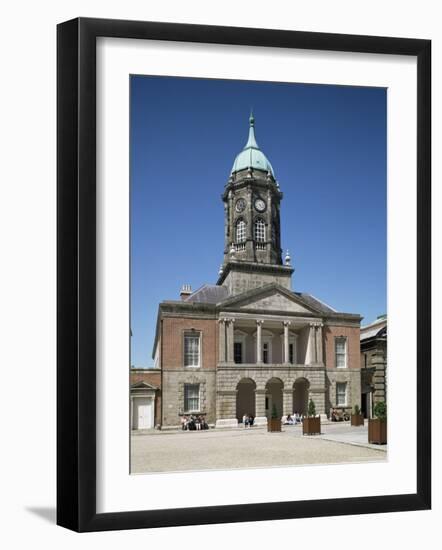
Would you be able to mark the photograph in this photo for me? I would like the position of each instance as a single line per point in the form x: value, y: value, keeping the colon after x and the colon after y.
x: 258, y: 274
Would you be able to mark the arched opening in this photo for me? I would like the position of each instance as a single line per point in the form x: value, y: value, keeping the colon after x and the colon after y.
x: 274, y: 389
x: 300, y: 396
x: 245, y: 398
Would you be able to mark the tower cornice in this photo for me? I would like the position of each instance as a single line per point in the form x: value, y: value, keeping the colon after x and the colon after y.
x: 253, y: 267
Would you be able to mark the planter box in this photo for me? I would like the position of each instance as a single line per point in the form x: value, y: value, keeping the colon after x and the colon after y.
x: 311, y: 425
x: 357, y: 420
x: 377, y: 431
x: 274, y: 425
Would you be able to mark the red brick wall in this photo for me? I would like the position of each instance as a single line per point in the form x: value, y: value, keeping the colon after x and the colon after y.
x: 145, y: 375
x: 353, y: 345
x: 173, y: 329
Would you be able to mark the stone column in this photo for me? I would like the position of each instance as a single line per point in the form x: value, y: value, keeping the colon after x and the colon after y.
x: 226, y: 228
x: 230, y: 340
x: 231, y: 228
x: 270, y: 226
x: 312, y: 344
x: 259, y: 341
x: 222, y: 341
x: 287, y: 398
x: 318, y: 396
x: 260, y: 408
x: 319, y: 345
x: 286, y: 342
x: 226, y: 409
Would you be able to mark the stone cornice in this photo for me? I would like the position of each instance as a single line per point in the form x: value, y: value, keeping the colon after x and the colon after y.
x: 254, y: 267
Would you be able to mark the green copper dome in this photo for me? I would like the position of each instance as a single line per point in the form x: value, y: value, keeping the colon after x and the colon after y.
x: 252, y: 156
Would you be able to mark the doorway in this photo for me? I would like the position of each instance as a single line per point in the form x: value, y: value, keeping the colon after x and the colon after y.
x: 245, y: 398
x: 274, y: 389
x: 300, y: 396
x: 143, y: 418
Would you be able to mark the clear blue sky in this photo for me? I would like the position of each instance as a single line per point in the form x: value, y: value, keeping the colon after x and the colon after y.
x: 327, y: 145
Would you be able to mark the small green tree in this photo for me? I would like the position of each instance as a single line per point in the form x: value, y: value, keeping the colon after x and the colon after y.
x: 311, y: 408
x: 380, y: 410
x: 274, y: 412
x: 357, y: 410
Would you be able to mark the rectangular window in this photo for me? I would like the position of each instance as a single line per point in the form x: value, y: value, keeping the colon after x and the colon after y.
x: 191, y: 397
x: 265, y: 352
x: 192, y: 350
x: 341, y: 352
x: 237, y: 352
x: 341, y: 394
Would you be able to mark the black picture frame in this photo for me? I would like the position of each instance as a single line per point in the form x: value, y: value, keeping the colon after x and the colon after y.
x: 76, y: 274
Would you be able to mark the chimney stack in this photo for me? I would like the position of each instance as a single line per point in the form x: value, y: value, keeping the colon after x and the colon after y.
x: 186, y: 290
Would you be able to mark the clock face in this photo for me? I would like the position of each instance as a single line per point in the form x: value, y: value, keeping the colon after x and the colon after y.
x: 240, y: 205
x: 260, y: 205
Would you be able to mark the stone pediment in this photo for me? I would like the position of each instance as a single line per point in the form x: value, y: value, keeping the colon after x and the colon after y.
x: 275, y: 302
x: 274, y: 298
x: 143, y: 386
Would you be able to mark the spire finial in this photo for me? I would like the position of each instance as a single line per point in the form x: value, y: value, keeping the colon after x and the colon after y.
x: 287, y: 258
x: 251, y: 142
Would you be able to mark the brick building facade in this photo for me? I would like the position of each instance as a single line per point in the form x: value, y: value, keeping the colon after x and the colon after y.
x: 249, y: 344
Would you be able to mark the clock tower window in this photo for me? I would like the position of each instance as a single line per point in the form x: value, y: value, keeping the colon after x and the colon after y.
x: 240, y: 231
x: 260, y: 231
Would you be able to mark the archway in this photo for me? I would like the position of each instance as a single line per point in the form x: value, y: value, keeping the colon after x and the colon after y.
x: 245, y: 398
x: 300, y: 396
x: 274, y: 389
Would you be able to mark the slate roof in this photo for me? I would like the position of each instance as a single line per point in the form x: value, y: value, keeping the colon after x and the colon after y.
x: 209, y: 294
x: 315, y: 303
x: 213, y: 294
x: 376, y: 329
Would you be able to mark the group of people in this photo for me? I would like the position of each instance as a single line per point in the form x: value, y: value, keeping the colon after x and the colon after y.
x: 193, y: 422
x: 248, y: 420
x: 337, y: 416
x: 292, y: 420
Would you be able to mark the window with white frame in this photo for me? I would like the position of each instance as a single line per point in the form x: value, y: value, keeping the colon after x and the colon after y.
x: 191, y: 398
x: 241, y: 231
x: 341, y: 352
x: 341, y: 394
x: 260, y: 231
x: 192, y: 341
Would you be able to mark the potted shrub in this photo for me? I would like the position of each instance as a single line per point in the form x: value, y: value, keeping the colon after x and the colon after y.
x: 311, y: 424
x: 356, y: 418
x: 377, y: 427
x: 274, y: 424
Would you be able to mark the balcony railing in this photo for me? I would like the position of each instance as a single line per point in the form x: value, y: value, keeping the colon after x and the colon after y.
x: 265, y: 365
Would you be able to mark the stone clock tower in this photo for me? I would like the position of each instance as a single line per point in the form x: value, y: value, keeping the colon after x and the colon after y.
x: 252, y: 249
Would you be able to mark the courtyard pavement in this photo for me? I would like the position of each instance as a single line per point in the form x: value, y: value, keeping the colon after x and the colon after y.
x: 172, y: 451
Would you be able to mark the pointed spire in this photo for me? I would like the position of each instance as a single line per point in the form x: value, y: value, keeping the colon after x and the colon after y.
x: 251, y: 142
